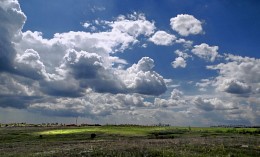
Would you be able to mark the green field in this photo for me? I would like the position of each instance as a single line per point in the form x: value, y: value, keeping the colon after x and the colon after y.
x: 129, y: 141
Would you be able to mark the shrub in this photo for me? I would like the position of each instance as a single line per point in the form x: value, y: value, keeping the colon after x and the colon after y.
x: 93, y: 135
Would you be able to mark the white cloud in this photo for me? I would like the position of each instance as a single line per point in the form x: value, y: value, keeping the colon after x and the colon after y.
x: 240, y: 75
x: 176, y: 99
x: 108, y: 42
x: 207, y: 109
x: 90, y: 70
x: 163, y: 103
x: 162, y: 38
x: 101, y: 43
x: 83, y: 64
x: 205, y: 51
x: 67, y: 107
x: 67, y: 87
x: 209, y: 104
x: 12, y: 20
x: 176, y: 94
x: 186, y: 24
x: 234, y: 87
x: 186, y: 43
x: 86, y: 25
x: 93, y: 105
x: 30, y: 65
x: 182, y: 54
x: 142, y: 79
x: 123, y: 33
x: 14, y: 85
x: 135, y: 26
x: 87, y: 70
x: 179, y: 62
x: 70, y: 62
x: 50, y: 51
x: 204, y: 84
x: 145, y: 64
x: 204, y: 104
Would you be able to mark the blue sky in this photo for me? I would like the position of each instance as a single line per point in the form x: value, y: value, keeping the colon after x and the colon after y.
x: 145, y: 62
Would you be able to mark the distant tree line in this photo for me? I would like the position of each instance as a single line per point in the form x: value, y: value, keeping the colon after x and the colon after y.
x: 71, y: 125
x: 31, y: 125
x: 235, y: 126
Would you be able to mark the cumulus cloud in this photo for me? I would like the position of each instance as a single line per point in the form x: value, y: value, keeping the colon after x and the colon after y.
x: 209, y: 109
x: 245, y: 68
x: 87, y: 70
x: 12, y: 20
x: 142, y: 79
x: 91, y: 105
x: 205, y: 51
x: 122, y: 34
x: 83, y: 64
x: 100, y: 42
x: 179, y: 62
x: 209, y: 104
x: 74, y: 73
x: 29, y: 65
x: 239, y: 75
x: 17, y: 91
x: 135, y: 25
x: 204, y: 104
x: 163, y: 103
x: 162, y: 38
x: 176, y: 94
x: 186, y: 43
x: 64, y: 88
x: 86, y: 25
x: 90, y: 71
x: 182, y: 54
x: 17, y: 101
x: 204, y: 84
x: 186, y: 24
x: 235, y: 87
x: 176, y: 99
x: 70, y: 108
x: 11, y: 84
x: 84, y: 59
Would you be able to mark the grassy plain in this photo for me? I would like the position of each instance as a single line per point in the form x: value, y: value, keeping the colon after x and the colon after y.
x: 129, y: 141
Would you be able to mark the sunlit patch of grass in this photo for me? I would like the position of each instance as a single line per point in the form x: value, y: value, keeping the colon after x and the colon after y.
x: 67, y: 131
x: 120, y: 130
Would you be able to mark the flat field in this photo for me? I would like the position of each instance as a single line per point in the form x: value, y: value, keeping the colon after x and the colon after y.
x: 128, y: 141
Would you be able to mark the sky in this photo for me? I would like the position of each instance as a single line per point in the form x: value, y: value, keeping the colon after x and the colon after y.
x: 183, y: 63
